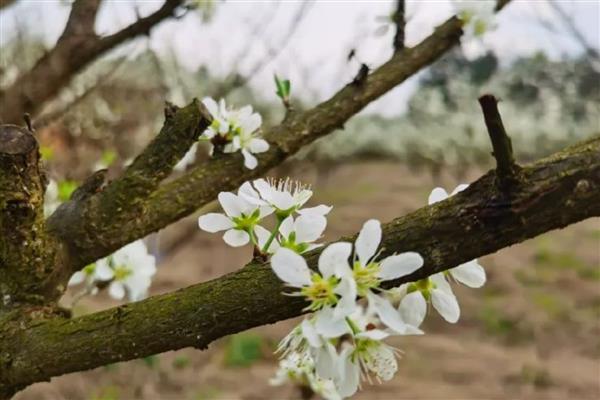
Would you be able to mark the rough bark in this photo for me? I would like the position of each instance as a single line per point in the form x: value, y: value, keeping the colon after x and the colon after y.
x: 28, y: 254
x: 484, y: 218
x: 76, y: 48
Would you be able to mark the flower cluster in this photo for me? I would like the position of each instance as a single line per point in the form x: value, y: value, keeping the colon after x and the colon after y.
x: 128, y: 271
x: 342, y: 343
x: 232, y: 130
x: 296, y: 228
x: 477, y: 16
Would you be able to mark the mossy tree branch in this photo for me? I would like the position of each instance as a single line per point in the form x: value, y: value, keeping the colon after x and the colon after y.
x: 93, y: 235
x: 482, y: 217
x: 77, y: 47
x: 28, y: 254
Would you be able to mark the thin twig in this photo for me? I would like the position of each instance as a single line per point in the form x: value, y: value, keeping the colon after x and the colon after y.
x: 400, y: 21
x: 506, y: 168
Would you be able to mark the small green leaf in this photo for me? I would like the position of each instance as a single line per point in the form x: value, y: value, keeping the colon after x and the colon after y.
x: 283, y: 88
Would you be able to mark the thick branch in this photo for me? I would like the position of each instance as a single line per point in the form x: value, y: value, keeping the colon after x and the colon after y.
x: 506, y: 167
x: 27, y: 253
x: 557, y: 191
x: 76, y: 48
x: 96, y: 236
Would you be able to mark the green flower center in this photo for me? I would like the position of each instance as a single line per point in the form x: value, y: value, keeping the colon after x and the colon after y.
x: 321, y: 292
x: 122, y: 272
x: 425, y: 286
x: 366, y: 277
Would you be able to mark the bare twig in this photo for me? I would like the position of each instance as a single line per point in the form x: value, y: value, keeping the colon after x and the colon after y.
x: 400, y: 22
x: 506, y: 167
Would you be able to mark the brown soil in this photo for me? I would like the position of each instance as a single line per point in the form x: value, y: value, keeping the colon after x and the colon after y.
x: 533, y: 332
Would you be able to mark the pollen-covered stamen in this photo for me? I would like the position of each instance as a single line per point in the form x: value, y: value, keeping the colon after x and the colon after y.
x: 366, y: 278
x: 288, y: 185
x: 321, y: 292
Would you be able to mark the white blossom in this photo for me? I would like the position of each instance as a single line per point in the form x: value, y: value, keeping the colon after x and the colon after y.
x: 477, y: 16
x: 369, y: 273
x: 238, y: 128
x: 297, y: 234
x: 129, y: 270
x: 188, y: 158
x: 332, y: 286
x: 285, y: 196
x: 240, y: 218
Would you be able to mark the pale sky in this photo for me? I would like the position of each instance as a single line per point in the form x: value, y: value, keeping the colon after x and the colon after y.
x: 314, y: 58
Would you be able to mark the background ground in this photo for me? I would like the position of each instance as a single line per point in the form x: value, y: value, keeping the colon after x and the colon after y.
x: 533, y: 332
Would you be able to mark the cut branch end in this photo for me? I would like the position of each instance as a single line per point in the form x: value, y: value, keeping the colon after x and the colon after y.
x: 506, y: 167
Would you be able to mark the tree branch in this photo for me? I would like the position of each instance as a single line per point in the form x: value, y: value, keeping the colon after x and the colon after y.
x: 506, y: 167
x: 27, y: 253
x: 76, y: 48
x: 400, y: 22
x: 481, y: 216
x: 99, y: 234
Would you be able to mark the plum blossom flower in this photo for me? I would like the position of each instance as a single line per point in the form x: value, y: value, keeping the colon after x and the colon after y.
x: 237, y: 129
x: 129, y: 270
x: 299, y: 368
x: 477, y: 16
x: 413, y: 306
x: 365, y: 355
x: 297, y: 234
x: 369, y: 273
x: 285, y: 196
x: 240, y: 218
x: 331, y: 287
x: 90, y: 275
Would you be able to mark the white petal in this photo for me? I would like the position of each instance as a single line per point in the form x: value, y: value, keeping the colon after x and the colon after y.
x: 103, y: 271
x: 334, y: 259
x: 250, y: 161
x: 437, y: 194
x: 326, y: 362
x: 290, y: 268
x: 373, y: 334
x: 263, y: 188
x: 77, y: 278
x: 441, y: 283
x: 400, y: 265
x: 309, y: 227
x: 349, y: 374
x: 446, y: 304
x: 382, y: 30
x: 328, y: 326
x: 388, y: 315
x: 116, y: 290
x: 302, y: 197
x: 214, y: 222
x: 318, y: 210
x: 236, y: 237
x: 310, y: 334
x: 459, y: 188
x: 232, y: 205
x: 282, y: 200
x: 470, y: 273
x: 413, y: 308
x: 347, y: 303
x: 212, y: 106
x: 262, y: 235
x: 287, y: 227
x: 368, y: 240
x: 258, y: 145
x: 265, y: 211
x: 247, y: 191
